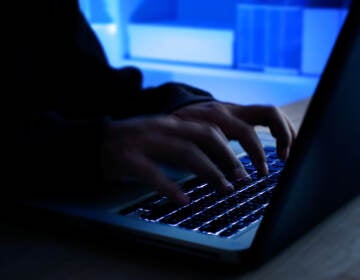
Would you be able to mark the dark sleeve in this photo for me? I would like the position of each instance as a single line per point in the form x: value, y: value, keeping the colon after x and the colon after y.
x: 119, y: 92
x: 63, y: 63
x: 62, y: 97
x: 171, y: 96
x: 122, y: 94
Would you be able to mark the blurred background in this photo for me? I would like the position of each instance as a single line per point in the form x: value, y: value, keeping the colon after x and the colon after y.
x: 243, y: 51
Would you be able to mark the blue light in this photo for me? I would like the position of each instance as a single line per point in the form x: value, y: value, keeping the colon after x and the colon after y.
x: 172, y: 39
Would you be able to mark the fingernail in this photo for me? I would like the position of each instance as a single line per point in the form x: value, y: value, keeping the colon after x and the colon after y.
x: 240, y: 173
x: 244, y: 180
x: 227, y: 185
x: 265, y: 169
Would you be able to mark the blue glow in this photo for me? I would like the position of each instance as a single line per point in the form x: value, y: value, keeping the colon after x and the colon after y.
x: 184, y: 44
x: 242, y: 43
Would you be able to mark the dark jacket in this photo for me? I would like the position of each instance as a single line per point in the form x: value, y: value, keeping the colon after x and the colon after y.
x: 65, y: 89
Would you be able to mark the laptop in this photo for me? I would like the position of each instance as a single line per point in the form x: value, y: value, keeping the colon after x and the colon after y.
x: 261, y: 218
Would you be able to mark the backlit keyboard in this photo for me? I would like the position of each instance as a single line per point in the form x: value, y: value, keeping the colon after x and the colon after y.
x: 212, y: 212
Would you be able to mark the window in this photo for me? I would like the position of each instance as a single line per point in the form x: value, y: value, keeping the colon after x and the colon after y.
x: 251, y: 51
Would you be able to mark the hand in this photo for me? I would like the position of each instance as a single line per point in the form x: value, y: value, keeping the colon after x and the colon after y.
x: 238, y: 122
x: 133, y: 148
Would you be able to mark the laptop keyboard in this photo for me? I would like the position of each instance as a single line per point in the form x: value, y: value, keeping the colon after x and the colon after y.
x: 212, y: 212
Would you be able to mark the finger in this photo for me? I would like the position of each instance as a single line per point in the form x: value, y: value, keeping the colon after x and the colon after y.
x: 224, y: 118
x: 293, y: 134
x: 251, y: 143
x: 186, y: 154
x: 284, y: 135
x: 238, y: 172
x: 291, y: 127
x: 214, y: 143
x: 273, y: 118
x: 144, y: 169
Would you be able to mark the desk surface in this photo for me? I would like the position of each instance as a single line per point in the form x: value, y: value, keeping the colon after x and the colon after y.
x: 330, y: 251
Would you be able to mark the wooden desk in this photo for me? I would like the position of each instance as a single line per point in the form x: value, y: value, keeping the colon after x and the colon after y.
x: 331, y: 251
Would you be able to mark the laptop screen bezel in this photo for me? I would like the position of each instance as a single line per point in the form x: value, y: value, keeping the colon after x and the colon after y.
x: 263, y: 247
